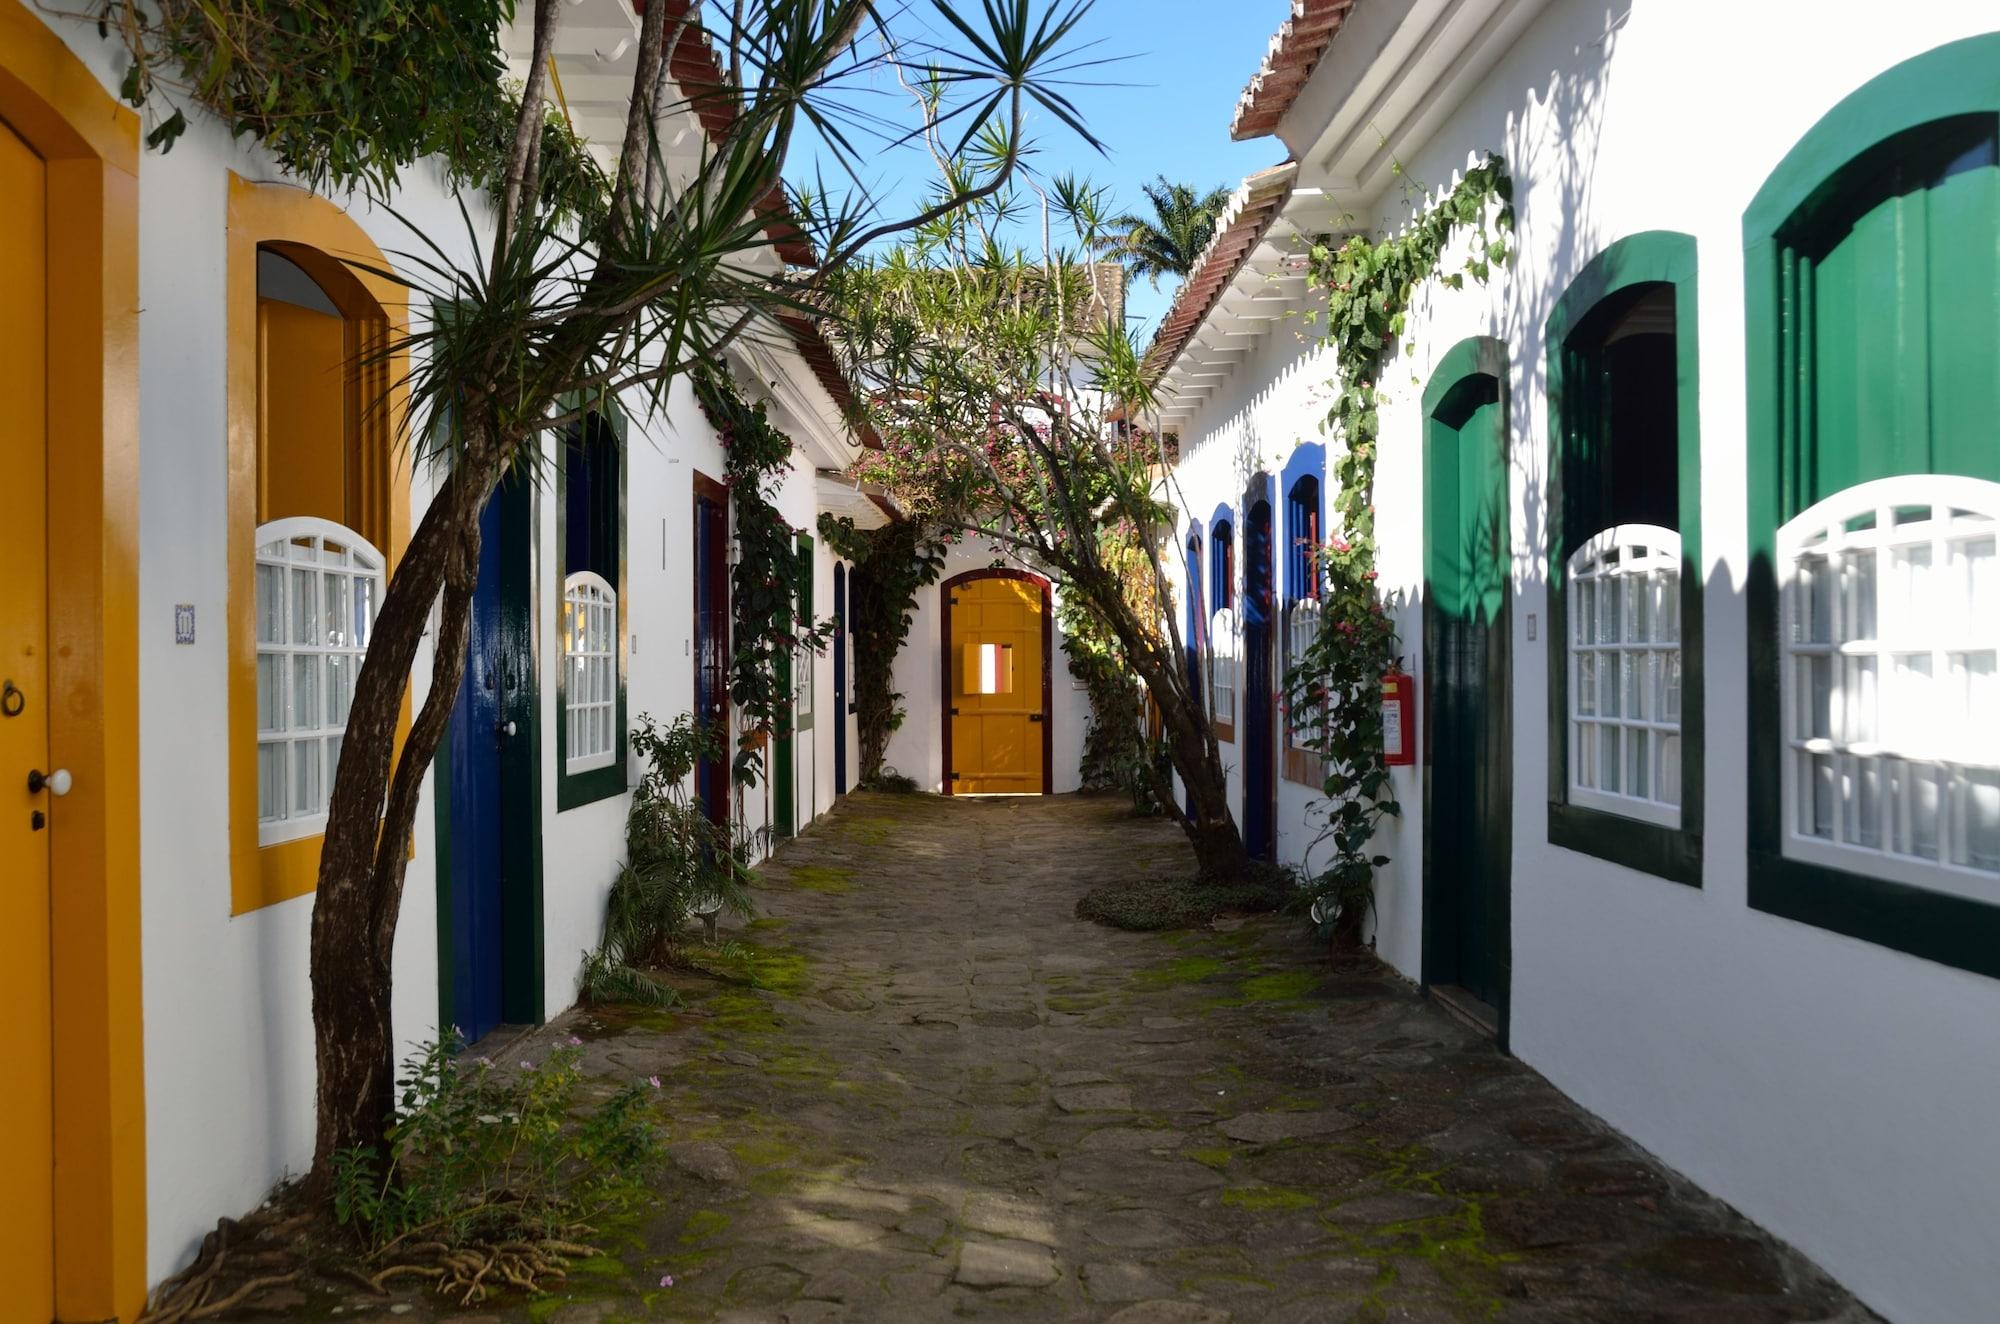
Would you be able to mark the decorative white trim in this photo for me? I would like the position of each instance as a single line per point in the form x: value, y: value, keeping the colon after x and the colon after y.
x: 1622, y: 594
x: 1888, y: 638
x: 1222, y: 665
x: 590, y: 672
x: 318, y: 588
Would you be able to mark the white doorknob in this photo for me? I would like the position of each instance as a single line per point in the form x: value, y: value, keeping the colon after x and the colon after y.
x: 55, y: 783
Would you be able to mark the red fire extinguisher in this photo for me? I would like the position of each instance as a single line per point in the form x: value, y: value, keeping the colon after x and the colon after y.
x: 1399, y: 717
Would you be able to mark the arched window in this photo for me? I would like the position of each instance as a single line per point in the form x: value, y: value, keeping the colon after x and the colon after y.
x: 591, y: 696
x: 1625, y: 673
x: 1872, y: 305
x: 1221, y: 565
x: 1305, y: 699
x: 590, y: 672
x: 319, y: 586
x: 1890, y: 610
x: 1624, y: 541
x: 1222, y: 671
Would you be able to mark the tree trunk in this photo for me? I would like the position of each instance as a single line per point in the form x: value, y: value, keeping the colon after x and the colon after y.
x: 1211, y: 828
x: 370, y: 814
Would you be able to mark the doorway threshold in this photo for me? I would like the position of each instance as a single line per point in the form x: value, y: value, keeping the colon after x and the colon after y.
x: 1468, y: 1008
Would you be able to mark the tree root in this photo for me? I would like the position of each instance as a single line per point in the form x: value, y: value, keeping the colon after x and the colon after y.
x: 242, y: 1294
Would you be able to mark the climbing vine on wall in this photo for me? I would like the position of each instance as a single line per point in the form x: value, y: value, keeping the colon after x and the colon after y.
x: 1335, y: 689
x: 1116, y: 753
x: 890, y: 564
x: 768, y: 577
x: 346, y: 95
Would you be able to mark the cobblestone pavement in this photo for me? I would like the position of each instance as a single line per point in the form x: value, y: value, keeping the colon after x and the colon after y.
x: 954, y: 1099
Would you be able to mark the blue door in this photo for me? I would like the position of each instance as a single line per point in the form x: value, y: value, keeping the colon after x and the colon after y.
x: 839, y: 678
x: 1259, y: 616
x: 1196, y: 621
x: 474, y: 739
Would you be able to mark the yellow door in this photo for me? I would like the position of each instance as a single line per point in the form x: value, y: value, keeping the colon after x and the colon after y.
x: 996, y: 700
x: 27, y: 1249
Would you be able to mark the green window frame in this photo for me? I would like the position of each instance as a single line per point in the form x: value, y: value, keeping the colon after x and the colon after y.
x: 1652, y: 257
x: 606, y: 509
x: 1796, y: 457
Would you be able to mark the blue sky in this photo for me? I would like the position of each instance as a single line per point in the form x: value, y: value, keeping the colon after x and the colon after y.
x: 1162, y: 105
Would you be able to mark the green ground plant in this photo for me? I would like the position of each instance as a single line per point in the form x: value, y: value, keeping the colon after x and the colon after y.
x: 677, y: 864
x: 493, y: 1179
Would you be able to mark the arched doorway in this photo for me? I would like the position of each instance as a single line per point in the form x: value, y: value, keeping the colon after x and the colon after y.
x: 997, y: 636
x: 1467, y: 746
x: 840, y: 678
x: 1260, y: 809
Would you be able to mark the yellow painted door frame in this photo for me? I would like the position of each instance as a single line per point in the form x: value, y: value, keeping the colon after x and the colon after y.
x: 87, y: 145
x: 997, y: 635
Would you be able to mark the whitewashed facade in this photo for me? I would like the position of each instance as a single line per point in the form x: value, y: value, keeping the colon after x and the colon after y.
x: 211, y: 1102
x: 1826, y: 1070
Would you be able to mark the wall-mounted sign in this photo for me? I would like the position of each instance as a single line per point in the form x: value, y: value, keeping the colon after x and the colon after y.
x: 183, y: 622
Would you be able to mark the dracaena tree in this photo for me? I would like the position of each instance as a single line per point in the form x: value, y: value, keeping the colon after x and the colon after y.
x: 588, y: 285
x: 1010, y: 397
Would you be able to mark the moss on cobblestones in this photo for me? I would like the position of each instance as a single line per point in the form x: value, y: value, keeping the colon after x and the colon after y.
x: 822, y: 878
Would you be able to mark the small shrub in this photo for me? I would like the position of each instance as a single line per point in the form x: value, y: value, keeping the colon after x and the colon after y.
x: 1148, y: 905
x: 675, y: 861
x: 891, y: 782
x: 491, y: 1174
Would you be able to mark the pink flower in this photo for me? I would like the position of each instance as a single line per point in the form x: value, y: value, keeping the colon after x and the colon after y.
x: 666, y: 1280
x: 575, y: 1042
x: 1370, y: 576
x: 526, y: 1065
x: 654, y: 1081
x: 485, y: 1061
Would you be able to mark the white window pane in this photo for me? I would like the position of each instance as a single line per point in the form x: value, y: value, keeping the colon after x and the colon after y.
x: 339, y: 689
x: 306, y: 796
x: 1978, y: 810
x: 1812, y: 603
x: 1586, y: 755
x: 1858, y: 686
x: 1907, y: 721
x: 1859, y: 574
x: 1863, y: 787
x: 1639, y: 604
x: 270, y: 604
x: 1607, y: 698
x: 1586, y: 615
x: 1906, y: 604
x: 364, y: 611
x: 1815, y: 688
x: 270, y: 781
x: 1610, y: 610
x: 332, y: 762
x: 1607, y: 757
x: 270, y: 692
x: 1668, y: 781
x: 304, y: 607
x: 1586, y: 685
x: 1978, y: 577
x: 1638, y: 765
x: 1632, y: 682
x: 1819, y: 800
x: 1670, y: 607
x: 1670, y: 698
x: 305, y: 692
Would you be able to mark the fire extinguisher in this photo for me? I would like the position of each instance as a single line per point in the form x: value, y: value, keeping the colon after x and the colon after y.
x: 1399, y: 717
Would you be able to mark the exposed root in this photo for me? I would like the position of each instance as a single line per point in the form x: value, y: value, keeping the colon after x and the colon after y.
x: 242, y: 1294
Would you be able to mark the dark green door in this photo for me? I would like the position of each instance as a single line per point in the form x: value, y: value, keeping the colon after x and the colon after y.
x: 1467, y: 801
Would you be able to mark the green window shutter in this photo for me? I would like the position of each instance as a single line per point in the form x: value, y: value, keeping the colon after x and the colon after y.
x: 1872, y: 303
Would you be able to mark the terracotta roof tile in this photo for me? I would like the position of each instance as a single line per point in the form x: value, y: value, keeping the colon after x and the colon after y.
x: 1294, y: 53
x: 1255, y: 204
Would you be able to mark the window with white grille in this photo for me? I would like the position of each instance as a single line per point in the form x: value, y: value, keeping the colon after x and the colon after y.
x: 318, y: 588
x: 1306, y: 717
x: 1889, y: 626
x: 802, y: 674
x: 1624, y: 590
x: 1222, y: 666
x: 590, y: 672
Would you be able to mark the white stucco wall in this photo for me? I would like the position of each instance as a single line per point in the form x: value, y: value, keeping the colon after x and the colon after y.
x: 1836, y: 1091
x: 917, y: 748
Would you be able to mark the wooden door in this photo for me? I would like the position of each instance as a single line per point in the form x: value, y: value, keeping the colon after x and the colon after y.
x: 1467, y: 837
x: 711, y: 640
x: 1258, y: 697
x: 489, y: 788
x: 996, y: 684
x: 839, y: 678
x: 31, y: 817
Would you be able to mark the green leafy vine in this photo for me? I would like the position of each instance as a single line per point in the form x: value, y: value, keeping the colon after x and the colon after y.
x: 890, y: 564
x: 767, y: 582
x: 1335, y: 689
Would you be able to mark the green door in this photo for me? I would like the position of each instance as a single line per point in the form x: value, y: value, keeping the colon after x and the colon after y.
x: 1466, y: 593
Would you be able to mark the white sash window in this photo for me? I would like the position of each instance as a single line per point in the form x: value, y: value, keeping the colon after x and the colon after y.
x: 1624, y: 600
x: 1222, y: 666
x: 590, y: 672
x: 1302, y: 621
x: 1889, y: 626
x: 318, y: 588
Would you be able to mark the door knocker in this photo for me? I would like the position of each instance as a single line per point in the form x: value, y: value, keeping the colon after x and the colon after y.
x: 12, y: 701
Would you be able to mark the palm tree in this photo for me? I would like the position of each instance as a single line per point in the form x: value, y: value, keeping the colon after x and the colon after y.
x: 1167, y: 242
